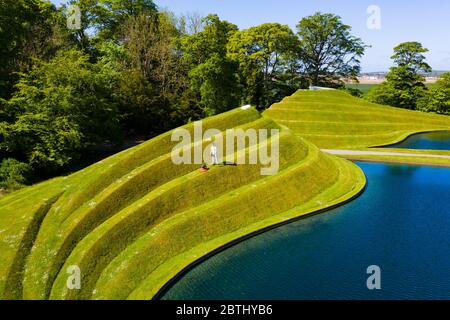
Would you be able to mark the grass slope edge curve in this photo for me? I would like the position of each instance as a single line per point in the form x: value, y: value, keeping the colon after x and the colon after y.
x: 133, y: 221
x: 333, y: 119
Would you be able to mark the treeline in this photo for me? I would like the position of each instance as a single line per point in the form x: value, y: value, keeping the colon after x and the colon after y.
x: 132, y: 71
x: 405, y: 85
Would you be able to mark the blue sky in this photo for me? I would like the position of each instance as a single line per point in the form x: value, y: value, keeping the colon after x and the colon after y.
x: 401, y: 20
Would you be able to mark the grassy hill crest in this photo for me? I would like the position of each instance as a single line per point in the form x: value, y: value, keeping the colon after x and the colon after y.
x: 334, y: 119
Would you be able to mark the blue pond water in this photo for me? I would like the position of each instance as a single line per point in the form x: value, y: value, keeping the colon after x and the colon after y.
x: 400, y: 223
x: 430, y: 141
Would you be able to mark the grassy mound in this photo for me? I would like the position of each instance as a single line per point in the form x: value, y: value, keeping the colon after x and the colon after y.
x: 133, y: 221
x: 336, y: 120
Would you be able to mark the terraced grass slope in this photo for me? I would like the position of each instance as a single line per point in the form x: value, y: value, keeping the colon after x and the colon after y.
x: 133, y: 221
x: 333, y: 119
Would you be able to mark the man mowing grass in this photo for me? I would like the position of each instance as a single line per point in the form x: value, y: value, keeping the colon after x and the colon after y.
x: 214, y: 154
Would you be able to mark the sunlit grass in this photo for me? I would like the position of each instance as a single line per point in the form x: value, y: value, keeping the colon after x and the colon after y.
x: 133, y: 221
x: 335, y: 119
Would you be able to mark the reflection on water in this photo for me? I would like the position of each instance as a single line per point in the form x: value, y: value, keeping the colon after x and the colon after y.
x: 401, y: 170
x: 400, y: 223
x: 427, y: 141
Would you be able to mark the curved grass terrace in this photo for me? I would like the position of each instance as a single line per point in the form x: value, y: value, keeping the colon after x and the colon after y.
x: 135, y: 221
x: 333, y: 119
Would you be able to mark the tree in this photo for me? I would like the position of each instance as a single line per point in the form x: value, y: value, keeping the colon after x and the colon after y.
x: 154, y: 76
x: 213, y: 39
x: 29, y: 29
x: 191, y: 23
x: 438, y: 98
x: 217, y: 84
x: 14, y: 16
x: 59, y: 109
x: 404, y: 84
x: 103, y: 20
x: 262, y: 53
x: 213, y: 75
x: 329, y: 51
x: 91, y: 16
x: 117, y: 12
x: 410, y: 55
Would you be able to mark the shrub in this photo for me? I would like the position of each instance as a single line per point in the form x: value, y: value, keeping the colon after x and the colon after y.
x: 389, y: 94
x: 14, y: 174
x: 438, y: 98
x: 353, y: 91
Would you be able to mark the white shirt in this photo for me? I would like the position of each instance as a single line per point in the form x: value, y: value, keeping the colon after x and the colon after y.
x: 213, y: 150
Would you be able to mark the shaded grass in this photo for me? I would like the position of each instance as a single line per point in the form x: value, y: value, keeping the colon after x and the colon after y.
x: 363, y: 87
x: 21, y: 215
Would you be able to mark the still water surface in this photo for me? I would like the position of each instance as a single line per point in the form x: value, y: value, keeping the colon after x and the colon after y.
x: 400, y: 223
x: 427, y: 141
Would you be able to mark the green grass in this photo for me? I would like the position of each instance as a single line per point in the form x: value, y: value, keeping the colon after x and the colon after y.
x: 336, y: 120
x: 419, y: 160
x: 20, y: 217
x: 365, y: 87
x: 417, y: 151
x: 130, y: 176
x: 133, y: 221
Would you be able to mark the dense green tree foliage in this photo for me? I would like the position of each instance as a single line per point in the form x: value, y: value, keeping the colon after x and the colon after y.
x: 116, y: 12
x: 60, y: 108
x: 29, y: 30
x: 13, y: 174
x: 438, y: 97
x: 213, y: 75
x: 264, y: 53
x: 104, y: 19
x: 404, y: 84
x: 329, y: 51
x: 154, y: 84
